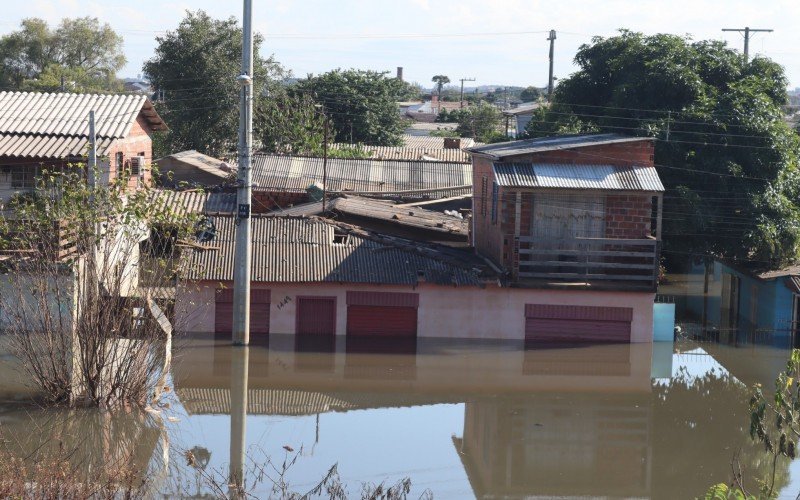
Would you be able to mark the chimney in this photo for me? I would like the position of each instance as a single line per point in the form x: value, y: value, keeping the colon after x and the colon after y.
x: 452, y: 143
x: 435, y: 103
x: 400, y: 73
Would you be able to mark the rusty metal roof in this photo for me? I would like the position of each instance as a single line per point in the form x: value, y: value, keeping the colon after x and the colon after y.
x: 385, y: 211
x: 56, y: 125
x: 374, y: 177
x: 567, y: 176
x: 502, y: 150
x: 302, y: 250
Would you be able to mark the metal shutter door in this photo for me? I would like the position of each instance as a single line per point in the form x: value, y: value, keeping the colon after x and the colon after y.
x: 387, y: 321
x: 316, y: 316
x: 549, y: 323
x: 259, y: 311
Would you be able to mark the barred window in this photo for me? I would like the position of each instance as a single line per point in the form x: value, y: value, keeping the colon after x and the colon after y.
x: 495, y: 191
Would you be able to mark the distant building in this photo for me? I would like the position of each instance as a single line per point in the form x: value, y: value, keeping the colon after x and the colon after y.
x: 522, y: 115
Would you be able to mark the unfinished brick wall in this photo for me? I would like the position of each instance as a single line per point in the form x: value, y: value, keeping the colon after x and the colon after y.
x: 137, y: 141
x: 267, y: 201
x: 628, y: 216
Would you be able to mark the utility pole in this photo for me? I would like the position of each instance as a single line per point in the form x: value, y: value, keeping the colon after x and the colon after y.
x: 747, y: 31
x: 92, y: 164
x: 552, y: 39
x: 243, y: 255
x: 461, y: 99
x: 325, y: 165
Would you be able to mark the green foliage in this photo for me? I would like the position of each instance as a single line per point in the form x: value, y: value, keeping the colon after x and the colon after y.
x: 440, y: 81
x: 85, y: 53
x: 444, y: 132
x: 290, y: 124
x: 530, y: 94
x: 192, y: 68
x: 481, y: 121
x: 361, y: 105
x: 723, y: 150
x: 724, y: 492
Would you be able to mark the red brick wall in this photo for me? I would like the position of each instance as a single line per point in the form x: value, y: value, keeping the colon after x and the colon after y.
x: 265, y: 201
x: 139, y: 140
x: 495, y: 241
x: 628, y: 216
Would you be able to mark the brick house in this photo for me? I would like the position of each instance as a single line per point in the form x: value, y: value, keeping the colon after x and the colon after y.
x: 579, y: 212
x: 51, y: 130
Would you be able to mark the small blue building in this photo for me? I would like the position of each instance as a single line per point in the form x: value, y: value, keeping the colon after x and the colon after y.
x: 744, y: 305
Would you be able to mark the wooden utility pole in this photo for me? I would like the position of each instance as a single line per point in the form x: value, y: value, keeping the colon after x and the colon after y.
x: 243, y: 250
x: 552, y: 39
x: 461, y: 99
x: 747, y: 31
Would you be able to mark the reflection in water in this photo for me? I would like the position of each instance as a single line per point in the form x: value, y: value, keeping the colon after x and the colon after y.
x: 471, y: 418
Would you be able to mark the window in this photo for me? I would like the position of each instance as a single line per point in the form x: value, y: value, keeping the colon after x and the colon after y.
x: 24, y: 177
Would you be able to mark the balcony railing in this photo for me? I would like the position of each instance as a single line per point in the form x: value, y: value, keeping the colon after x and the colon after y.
x: 607, y: 261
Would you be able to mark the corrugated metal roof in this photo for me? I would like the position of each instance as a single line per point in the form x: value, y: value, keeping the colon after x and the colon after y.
x: 408, y: 153
x: 39, y: 125
x: 300, y: 250
x: 386, y: 211
x: 47, y: 146
x: 195, y: 202
x: 513, y: 148
x: 296, y: 174
x: 605, y: 177
x: 205, y: 400
x: 208, y: 164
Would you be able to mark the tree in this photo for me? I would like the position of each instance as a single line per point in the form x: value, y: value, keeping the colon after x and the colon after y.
x: 361, y: 105
x: 727, y: 158
x: 84, y: 52
x: 69, y: 304
x: 529, y: 94
x: 440, y: 81
x: 290, y: 124
x: 480, y: 121
x: 194, y: 69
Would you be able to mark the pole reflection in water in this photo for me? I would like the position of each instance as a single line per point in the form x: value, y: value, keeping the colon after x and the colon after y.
x: 240, y: 356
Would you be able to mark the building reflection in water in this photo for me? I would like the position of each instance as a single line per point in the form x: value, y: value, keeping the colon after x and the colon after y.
x: 609, y: 420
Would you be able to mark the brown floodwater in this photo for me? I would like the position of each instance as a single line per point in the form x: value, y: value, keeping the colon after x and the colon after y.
x: 459, y: 419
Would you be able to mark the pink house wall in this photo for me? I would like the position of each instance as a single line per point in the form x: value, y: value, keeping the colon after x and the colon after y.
x: 448, y: 312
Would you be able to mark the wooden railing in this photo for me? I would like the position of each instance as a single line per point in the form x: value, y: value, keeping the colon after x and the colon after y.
x: 587, y: 260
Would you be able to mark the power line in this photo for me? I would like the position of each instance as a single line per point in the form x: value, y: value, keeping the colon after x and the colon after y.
x: 747, y: 31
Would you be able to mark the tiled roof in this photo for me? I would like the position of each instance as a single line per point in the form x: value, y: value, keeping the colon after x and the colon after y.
x: 423, y: 179
x: 502, y: 150
x: 605, y: 177
x: 301, y: 250
x: 56, y: 125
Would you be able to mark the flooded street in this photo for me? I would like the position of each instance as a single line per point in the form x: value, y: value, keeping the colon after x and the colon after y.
x: 459, y: 419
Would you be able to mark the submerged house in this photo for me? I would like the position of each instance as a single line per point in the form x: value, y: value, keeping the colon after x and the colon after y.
x: 743, y: 304
x: 563, y: 249
x: 576, y: 217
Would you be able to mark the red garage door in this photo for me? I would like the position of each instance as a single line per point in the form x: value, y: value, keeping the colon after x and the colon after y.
x: 382, y: 314
x: 259, y: 311
x: 550, y: 323
x: 316, y: 316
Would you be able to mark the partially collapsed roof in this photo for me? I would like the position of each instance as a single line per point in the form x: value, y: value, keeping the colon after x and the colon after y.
x: 601, y: 177
x: 420, y: 179
x: 56, y: 125
x: 502, y: 150
x: 200, y: 161
x: 303, y: 250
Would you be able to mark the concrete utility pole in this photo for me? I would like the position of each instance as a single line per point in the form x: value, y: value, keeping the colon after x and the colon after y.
x: 325, y: 163
x: 552, y: 39
x: 747, y: 31
x: 92, y: 164
x: 243, y: 256
x: 461, y: 100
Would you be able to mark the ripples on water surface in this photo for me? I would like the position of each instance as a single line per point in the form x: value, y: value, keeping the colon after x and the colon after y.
x: 460, y: 419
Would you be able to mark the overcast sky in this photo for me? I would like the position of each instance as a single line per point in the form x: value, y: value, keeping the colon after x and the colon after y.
x: 368, y: 34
